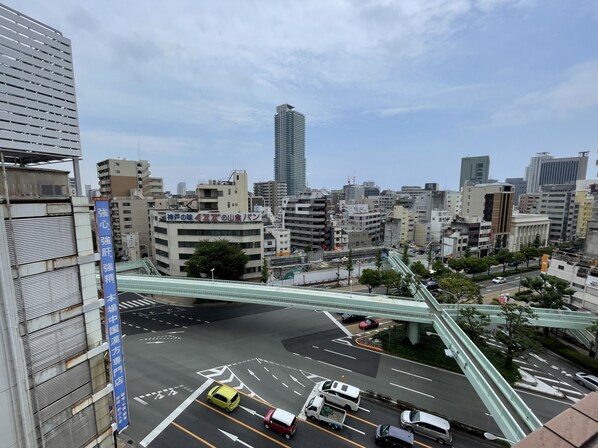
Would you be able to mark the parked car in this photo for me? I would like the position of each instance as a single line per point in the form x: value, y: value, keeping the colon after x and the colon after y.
x: 368, y: 324
x: 225, y: 397
x: 499, y: 280
x: 281, y: 421
x: 587, y: 380
x: 427, y: 425
x: 348, y: 318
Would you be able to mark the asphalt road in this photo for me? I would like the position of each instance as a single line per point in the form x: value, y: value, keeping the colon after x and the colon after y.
x: 275, y: 355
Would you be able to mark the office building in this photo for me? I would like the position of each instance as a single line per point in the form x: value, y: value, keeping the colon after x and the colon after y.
x: 131, y: 215
x: 55, y: 392
x: 528, y: 202
x: 492, y: 203
x: 153, y: 187
x: 289, y: 148
x: 474, y: 170
x: 273, y: 193
x: 520, y: 187
x: 558, y: 202
x: 360, y: 218
x: 544, y: 169
x: 181, y: 189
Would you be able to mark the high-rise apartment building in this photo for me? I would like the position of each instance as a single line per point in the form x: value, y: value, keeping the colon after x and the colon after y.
x: 305, y: 216
x: 474, y: 170
x: 53, y: 387
x: 181, y: 189
x: 273, y: 193
x: 117, y: 177
x: 558, y: 202
x: 289, y: 148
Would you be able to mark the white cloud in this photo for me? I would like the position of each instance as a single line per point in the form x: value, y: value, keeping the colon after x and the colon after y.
x: 577, y: 92
x: 402, y: 110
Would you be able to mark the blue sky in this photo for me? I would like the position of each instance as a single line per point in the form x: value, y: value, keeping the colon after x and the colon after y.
x: 394, y: 92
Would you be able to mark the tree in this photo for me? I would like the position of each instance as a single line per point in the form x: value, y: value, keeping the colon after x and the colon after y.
x: 406, y: 282
x: 405, y: 256
x: 457, y: 264
x: 518, y: 258
x: 594, y: 329
x: 390, y: 279
x: 515, y: 331
x: 537, y: 243
x: 265, y: 272
x: 419, y: 269
x: 370, y: 278
x: 490, y: 261
x: 379, y: 261
x: 227, y: 259
x: 474, y: 323
x: 474, y: 266
x: 467, y: 253
x: 349, y: 266
x: 546, y: 291
x: 439, y: 269
x: 529, y: 253
x: 459, y: 289
x: 503, y: 256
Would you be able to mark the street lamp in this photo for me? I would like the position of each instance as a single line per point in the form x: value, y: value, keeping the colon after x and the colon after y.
x: 212, y: 271
x: 491, y: 436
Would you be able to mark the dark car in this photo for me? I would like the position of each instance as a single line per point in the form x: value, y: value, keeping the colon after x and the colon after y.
x: 348, y: 318
x: 368, y: 324
x: 392, y: 436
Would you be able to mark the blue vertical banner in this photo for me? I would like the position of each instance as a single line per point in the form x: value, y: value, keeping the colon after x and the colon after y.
x: 112, y: 317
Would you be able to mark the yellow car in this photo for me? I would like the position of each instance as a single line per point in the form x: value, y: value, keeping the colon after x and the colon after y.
x: 224, y: 397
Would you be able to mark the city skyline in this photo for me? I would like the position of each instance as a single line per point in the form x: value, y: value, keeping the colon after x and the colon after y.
x: 400, y: 104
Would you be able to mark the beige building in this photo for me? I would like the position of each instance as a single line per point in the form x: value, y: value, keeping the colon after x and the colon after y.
x: 528, y: 202
x: 224, y: 196
x: 176, y: 233
x: 524, y: 229
x: 153, y: 187
x: 585, y: 201
x: 407, y: 223
x: 131, y: 214
x: 493, y: 203
x: 117, y: 177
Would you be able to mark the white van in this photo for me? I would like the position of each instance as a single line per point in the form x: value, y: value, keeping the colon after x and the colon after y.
x: 340, y: 393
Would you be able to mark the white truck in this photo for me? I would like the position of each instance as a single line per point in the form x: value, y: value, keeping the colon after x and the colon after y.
x: 318, y: 409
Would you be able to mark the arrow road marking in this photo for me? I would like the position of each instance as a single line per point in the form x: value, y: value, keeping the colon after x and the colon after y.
x: 234, y: 438
x: 296, y: 380
x: 251, y: 411
x: 253, y: 375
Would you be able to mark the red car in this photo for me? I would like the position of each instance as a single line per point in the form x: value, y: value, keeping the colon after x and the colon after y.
x: 281, y: 421
x: 368, y: 324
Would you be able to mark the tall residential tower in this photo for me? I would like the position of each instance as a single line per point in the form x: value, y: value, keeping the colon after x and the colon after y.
x: 475, y: 170
x: 289, y: 148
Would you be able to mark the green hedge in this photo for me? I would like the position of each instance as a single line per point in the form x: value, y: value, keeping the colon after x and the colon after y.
x: 508, y: 273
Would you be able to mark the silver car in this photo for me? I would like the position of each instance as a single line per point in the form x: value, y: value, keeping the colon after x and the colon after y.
x: 427, y: 425
x: 587, y: 380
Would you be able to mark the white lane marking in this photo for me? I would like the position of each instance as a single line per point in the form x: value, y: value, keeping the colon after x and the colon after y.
x: 356, y: 430
x: 266, y: 369
x: 315, y: 346
x: 332, y: 365
x: 550, y: 380
x: 569, y: 391
x: 412, y: 374
x: 253, y: 375
x: 538, y: 358
x: 251, y: 411
x: 285, y: 385
x: 140, y: 400
x: 338, y: 324
x: 339, y: 354
x: 297, y: 392
x: 415, y: 391
x: 363, y: 409
x: 521, y: 391
x: 174, y: 414
x: 235, y: 438
x: 274, y: 377
x: 296, y: 380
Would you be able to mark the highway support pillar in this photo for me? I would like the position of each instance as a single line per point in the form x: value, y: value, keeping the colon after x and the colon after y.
x: 413, y: 332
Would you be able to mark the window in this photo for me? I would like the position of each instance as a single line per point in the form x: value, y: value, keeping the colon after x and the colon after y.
x: 561, y: 268
x: 162, y: 242
x: 161, y: 252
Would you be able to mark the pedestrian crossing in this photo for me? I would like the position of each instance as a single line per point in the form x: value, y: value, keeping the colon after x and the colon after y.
x: 138, y: 303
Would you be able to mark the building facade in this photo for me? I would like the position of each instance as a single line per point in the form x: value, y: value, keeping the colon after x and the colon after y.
x: 117, y: 177
x: 176, y: 233
x: 525, y: 228
x: 54, y: 390
x: 532, y: 172
x: 305, y: 216
x: 273, y: 193
x: 131, y: 214
x: 520, y: 187
x: 289, y: 148
x: 492, y: 203
x: 181, y: 189
x: 224, y: 196
x: 566, y: 170
x: 360, y: 218
x: 528, y: 202
x: 558, y: 203
x: 474, y: 170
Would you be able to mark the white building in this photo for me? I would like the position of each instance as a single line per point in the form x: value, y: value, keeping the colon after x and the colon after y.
x: 452, y: 203
x: 224, y: 196
x: 582, y: 274
x: 175, y: 235
x: 361, y: 219
x: 282, y: 240
x: 524, y: 229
